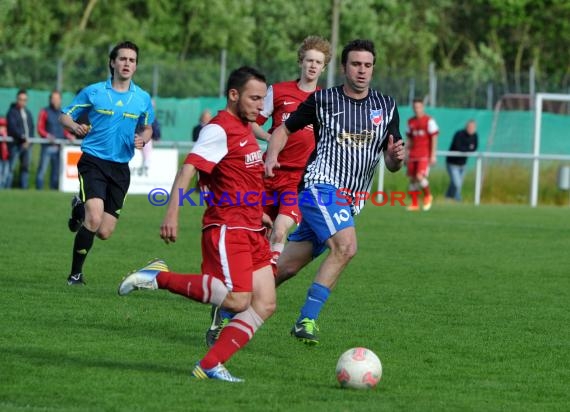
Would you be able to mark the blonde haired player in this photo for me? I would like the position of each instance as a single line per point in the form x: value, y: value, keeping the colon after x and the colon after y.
x: 282, y: 100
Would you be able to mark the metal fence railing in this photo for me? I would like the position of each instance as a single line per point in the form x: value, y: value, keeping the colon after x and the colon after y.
x: 480, y: 157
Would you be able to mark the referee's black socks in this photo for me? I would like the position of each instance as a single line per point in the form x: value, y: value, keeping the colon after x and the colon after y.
x: 83, y: 242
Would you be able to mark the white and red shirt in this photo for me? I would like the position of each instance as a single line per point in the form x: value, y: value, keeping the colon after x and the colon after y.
x: 230, y: 167
x: 283, y: 99
x: 420, y: 133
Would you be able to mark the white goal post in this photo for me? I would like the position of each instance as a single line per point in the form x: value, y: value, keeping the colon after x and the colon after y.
x: 540, y: 97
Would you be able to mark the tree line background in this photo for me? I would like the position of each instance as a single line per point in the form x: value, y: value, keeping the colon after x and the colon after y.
x: 471, y: 43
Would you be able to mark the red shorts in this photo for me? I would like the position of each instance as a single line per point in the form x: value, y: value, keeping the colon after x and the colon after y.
x: 418, y: 166
x: 281, y: 194
x: 232, y: 255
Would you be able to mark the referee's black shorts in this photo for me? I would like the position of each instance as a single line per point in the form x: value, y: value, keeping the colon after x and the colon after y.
x: 105, y: 180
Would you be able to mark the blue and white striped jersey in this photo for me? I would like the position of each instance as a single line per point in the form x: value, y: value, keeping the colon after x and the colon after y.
x: 350, y: 137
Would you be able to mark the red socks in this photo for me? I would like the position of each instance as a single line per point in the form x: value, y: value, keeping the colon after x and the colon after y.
x: 208, y: 289
x: 201, y: 288
x: 233, y: 337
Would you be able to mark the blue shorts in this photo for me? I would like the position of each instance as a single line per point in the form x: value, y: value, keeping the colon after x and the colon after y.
x: 324, y: 213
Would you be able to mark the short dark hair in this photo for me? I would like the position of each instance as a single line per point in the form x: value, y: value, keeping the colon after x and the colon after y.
x: 54, y: 91
x: 239, y: 77
x: 358, y: 45
x: 22, y: 91
x: 418, y: 100
x: 115, y: 51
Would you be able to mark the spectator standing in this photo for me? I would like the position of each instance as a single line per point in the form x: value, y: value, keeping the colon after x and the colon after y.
x: 205, y: 118
x: 464, y: 140
x: 50, y: 128
x: 4, y: 153
x: 20, y: 128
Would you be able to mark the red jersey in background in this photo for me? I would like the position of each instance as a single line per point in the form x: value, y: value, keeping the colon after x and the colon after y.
x: 420, y: 133
x: 283, y: 99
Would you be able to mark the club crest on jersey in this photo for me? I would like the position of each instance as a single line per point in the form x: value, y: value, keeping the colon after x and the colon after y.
x: 376, y: 116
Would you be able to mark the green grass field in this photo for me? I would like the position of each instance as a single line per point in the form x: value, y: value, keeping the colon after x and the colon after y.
x: 466, y: 307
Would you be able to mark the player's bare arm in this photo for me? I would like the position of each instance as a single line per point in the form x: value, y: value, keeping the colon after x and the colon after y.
x: 79, y: 130
x: 394, y: 154
x: 144, y: 137
x: 169, y: 227
x: 277, y: 142
x: 266, y: 221
x: 433, y: 157
x: 260, y: 133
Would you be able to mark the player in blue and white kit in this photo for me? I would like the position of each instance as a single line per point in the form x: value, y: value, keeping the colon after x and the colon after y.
x: 353, y: 126
x: 115, y: 108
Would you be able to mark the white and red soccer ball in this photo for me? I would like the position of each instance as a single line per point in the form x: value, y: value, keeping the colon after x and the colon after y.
x: 358, y: 368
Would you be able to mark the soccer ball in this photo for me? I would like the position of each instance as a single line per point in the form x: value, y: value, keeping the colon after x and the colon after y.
x: 358, y: 368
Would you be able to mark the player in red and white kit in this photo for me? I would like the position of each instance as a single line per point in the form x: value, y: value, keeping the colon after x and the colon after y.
x: 421, y: 150
x: 280, y: 202
x: 283, y: 99
x: 236, y: 270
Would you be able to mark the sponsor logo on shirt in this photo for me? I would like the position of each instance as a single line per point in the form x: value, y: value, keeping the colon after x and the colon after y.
x: 253, y: 158
x: 356, y: 139
x: 418, y: 132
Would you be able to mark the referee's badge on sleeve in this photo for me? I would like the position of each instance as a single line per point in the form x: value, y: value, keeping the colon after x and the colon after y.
x: 376, y: 116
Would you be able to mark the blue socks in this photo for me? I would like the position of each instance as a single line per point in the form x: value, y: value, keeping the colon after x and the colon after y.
x: 317, y: 295
x: 225, y: 314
